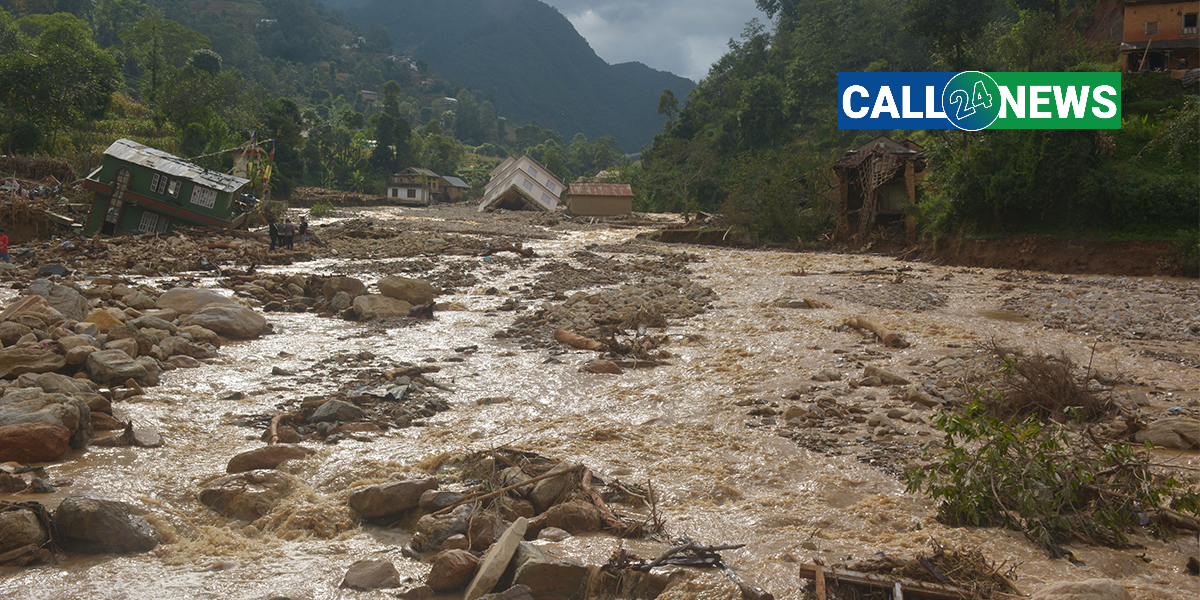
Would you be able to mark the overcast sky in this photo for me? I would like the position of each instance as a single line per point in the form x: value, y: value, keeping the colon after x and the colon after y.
x: 684, y: 37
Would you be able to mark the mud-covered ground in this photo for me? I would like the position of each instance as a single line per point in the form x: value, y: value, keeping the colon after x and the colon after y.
x: 759, y: 424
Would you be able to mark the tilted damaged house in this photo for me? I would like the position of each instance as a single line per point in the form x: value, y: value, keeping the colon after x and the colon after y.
x: 876, y: 181
x: 521, y: 183
x: 139, y: 189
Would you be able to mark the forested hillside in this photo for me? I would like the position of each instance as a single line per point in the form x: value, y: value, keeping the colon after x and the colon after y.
x: 527, y: 59
x: 755, y: 139
x: 334, y: 105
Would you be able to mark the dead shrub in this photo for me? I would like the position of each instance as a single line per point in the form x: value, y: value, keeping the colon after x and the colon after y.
x: 1044, y: 386
x: 37, y: 168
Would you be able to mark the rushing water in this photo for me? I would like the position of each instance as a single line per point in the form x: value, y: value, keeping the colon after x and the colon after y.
x: 676, y: 426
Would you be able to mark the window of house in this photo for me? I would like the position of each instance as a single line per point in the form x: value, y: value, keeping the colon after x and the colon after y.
x: 1151, y: 27
x: 550, y: 185
x: 532, y: 171
x: 412, y: 193
x: 173, y: 188
x: 202, y: 196
x: 149, y: 222
x: 528, y: 185
x: 1189, y: 22
x: 122, y: 178
x: 395, y: 193
x: 547, y: 199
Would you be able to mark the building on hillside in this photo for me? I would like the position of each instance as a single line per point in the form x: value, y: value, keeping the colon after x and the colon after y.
x: 876, y: 182
x: 454, y: 189
x: 369, y: 96
x: 1161, y: 36
x: 587, y: 199
x: 140, y: 189
x: 521, y: 183
x: 415, y: 185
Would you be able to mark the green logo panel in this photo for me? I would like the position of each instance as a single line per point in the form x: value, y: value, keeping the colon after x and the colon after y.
x: 1057, y: 101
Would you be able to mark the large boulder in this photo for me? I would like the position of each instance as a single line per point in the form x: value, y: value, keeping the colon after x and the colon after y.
x: 64, y: 299
x: 549, y: 579
x: 496, y: 561
x: 1089, y: 589
x: 375, y: 306
x: 149, y: 322
x: 350, y: 285
x: 432, y: 530
x: 96, y: 525
x: 33, y: 443
x: 10, y: 332
x: 547, y: 491
x: 367, y: 575
x: 1175, y: 433
x: 21, y: 528
x: 412, y: 291
x: 105, y: 318
x: 452, y: 569
x: 336, y: 410
x: 574, y: 517
x: 247, y: 496
x: 233, y: 322
x: 19, y: 360
x: 113, y: 365
x: 190, y: 300
x: 32, y: 405
x: 390, y: 498
x: 267, y: 457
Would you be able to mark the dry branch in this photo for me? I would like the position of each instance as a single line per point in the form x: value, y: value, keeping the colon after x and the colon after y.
x: 578, y: 341
x: 889, y: 339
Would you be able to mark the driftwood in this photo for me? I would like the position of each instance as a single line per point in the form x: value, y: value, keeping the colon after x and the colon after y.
x: 27, y: 555
x: 614, y: 522
x: 706, y: 556
x: 578, y: 341
x: 518, y: 249
x: 913, y: 589
x: 273, y: 430
x: 889, y: 339
x: 493, y: 494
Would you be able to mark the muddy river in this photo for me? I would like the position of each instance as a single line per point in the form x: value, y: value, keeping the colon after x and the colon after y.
x: 722, y: 476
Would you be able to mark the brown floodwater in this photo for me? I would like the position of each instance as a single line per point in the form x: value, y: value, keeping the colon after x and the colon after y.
x: 677, y: 427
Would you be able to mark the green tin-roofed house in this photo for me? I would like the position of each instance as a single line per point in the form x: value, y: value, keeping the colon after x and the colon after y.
x: 143, y: 190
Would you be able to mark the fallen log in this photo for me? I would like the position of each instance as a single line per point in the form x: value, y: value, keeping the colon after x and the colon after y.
x: 614, y: 522
x: 889, y: 339
x: 526, y: 252
x: 908, y: 587
x: 578, y: 341
x: 506, y: 489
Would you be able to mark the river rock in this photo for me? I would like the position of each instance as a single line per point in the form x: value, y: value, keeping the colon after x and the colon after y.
x: 96, y: 525
x: 547, y: 491
x: 484, y: 530
x: 64, y: 299
x: 553, y: 534
x: 341, y: 301
x: 247, y: 496
x: 412, y: 291
x: 190, y: 300
x: 601, y: 366
x: 34, y: 406
x: 10, y: 332
x: 77, y: 341
x: 350, y: 285
x: 105, y: 422
x: 33, y: 442
x: 54, y: 383
x: 552, y: 579
x: 496, y: 561
x: 390, y: 498
x: 104, y: 366
x: 78, y: 356
x: 452, y: 569
x: 431, y: 530
x: 375, y: 306
x: 127, y: 345
x: 149, y: 322
x: 153, y: 370
x: 21, y: 528
x: 516, y: 592
x: 147, y: 438
x: 266, y: 457
x: 233, y: 322
x: 574, y: 517
x: 885, y: 376
x: 510, y: 508
x: 200, y: 334
x: 105, y: 318
x: 184, y: 362
x: 18, y: 360
x: 435, y: 500
x: 1088, y: 589
x: 1175, y: 433
x: 367, y: 575
x: 138, y: 301
x: 337, y: 410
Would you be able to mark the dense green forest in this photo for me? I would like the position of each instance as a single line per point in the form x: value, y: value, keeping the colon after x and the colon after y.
x: 197, y: 78
x: 755, y: 139
x: 529, y: 60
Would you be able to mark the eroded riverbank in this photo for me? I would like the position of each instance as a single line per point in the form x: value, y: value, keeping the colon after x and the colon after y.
x: 723, y: 475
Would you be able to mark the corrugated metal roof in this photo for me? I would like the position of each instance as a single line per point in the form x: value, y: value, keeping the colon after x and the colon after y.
x: 456, y: 182
x: 151, y: 158
x: 601, y: 189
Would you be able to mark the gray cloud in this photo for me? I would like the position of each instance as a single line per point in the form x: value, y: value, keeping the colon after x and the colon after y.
x: 681, y: 36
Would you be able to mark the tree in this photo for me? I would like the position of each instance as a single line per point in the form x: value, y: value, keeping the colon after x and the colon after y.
x: 158, y: 44
x: 679, y: 167
x: 441, y: 154
x: 467, y: 126
x: 112, y: 16
x: 668, y: 105
x: 392, y: 146
x: 205, y: 60
x: 953, y: 25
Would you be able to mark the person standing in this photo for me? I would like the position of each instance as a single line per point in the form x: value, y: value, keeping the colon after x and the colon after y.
x: 3, y: 246
x: 273, y: 229
x: 303, y: 232
x: 288, y: 233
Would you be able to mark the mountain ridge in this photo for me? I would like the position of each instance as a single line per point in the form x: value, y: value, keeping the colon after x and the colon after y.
x: 529, y: 60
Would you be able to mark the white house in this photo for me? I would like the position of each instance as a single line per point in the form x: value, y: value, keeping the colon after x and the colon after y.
x: 522, y: 183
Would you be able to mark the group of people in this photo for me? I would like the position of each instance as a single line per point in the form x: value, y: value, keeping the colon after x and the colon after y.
x: 284, y: 236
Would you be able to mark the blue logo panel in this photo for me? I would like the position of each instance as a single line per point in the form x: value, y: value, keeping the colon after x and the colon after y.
x: 893, y: 101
